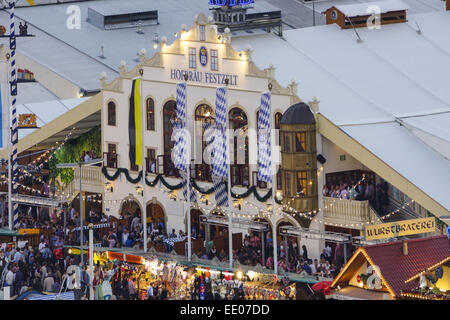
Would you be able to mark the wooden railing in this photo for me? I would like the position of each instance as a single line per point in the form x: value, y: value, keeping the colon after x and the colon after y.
x: 349, y: 211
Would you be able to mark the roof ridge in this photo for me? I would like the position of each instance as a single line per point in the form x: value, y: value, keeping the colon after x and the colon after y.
x: 408, y: 240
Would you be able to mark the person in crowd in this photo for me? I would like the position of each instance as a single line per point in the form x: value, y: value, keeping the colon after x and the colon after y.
x: 49, y: 283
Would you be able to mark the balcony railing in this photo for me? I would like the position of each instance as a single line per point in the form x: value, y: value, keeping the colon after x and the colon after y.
x: 166, y: 166
x: 240, y: 175
x: 348, y: 211
x: 203, y: 172
x: 110, y: 160
x: 152, y: 165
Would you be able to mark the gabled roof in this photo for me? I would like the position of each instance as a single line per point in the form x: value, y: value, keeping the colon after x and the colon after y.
x: 395, y: 267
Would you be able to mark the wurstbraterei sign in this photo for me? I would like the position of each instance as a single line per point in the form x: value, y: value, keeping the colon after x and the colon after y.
x: 399, y: 228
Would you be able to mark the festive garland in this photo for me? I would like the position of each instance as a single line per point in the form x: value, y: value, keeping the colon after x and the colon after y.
x: 160, y: 178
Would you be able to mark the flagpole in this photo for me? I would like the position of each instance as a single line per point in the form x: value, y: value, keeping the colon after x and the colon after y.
x: 10, y: 220
x: 188, y: 184
x: 14, y: 133
x: 144, y: 164
x: 274, y: 187
x: 230, y: 220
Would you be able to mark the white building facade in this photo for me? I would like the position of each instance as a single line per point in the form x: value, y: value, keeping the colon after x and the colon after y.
x: 161, y: 73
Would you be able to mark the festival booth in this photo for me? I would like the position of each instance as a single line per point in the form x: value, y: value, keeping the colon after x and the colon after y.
x: 434, y: 283
x: 193, y: 280
x: 386, y: 271
x: 12, y: 238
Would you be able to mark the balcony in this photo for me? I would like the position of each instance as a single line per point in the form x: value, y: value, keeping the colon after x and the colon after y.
x: 203, y: 172
x: 240, y: 175
x: 151, y: 165
x: 167, y: 167
x: 91, y: 181
x: 343, y: 211
x: 111, y: 160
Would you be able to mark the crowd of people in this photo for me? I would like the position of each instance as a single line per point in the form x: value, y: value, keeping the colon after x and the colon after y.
x: 88, y: 155
x: 360, y: 191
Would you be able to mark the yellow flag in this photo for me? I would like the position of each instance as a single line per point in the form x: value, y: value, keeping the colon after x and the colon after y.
x: 31, y: 2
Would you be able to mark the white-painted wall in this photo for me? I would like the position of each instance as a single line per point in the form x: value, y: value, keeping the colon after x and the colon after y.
x: 332, y: 154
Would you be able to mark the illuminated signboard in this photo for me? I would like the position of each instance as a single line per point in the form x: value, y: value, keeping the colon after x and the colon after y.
x: 400, y: 228
x: 230, y: 3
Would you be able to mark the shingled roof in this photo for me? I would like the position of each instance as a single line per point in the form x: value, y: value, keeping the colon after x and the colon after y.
x: 395, y: 267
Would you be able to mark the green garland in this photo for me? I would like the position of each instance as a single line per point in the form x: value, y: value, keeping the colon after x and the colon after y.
x: 160, y: 178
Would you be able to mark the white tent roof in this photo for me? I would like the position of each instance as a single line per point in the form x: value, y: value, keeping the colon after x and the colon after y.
x: 367, y: 88
x: 46, y: 111
x: 362, y: 9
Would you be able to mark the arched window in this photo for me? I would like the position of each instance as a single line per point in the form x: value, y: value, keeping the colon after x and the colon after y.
x: 260, y: 184
x: 239, y: 167
x: 111, y: 114
x: 150, y: 114
x: 277, y: 125
x: 169, y: 113
x: 203, y: 114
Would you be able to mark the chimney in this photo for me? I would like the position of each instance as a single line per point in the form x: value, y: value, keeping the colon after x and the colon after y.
x: 405, y: 242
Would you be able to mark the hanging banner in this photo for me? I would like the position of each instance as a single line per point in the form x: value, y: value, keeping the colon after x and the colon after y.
x: 27, y: 121
x: 399, y: 228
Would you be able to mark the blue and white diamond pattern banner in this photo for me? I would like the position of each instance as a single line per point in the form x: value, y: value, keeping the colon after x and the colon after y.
x: 180, y: 148
x: 181, y: 102
x: 220, y: 191
x: 212, y: 137
x: 220, y: 166
x: 264, y: 145
x: 193, y: 195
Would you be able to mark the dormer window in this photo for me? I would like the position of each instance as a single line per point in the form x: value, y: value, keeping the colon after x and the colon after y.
x: 202, y: 30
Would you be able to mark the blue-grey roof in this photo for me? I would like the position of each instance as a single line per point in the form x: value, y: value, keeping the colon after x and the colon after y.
x: 75, y: 53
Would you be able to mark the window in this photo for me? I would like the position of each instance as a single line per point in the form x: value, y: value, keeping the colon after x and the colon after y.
x: 279, y: 180
x: 111, y: 156
x: 151, y: 160
x: 287, y: 142
x: 202, y: 32
x: 168, y: 114
x: 150, y: 114
x: 301, y: 182
x: 287, y: 183
x: 112, y: 148
x: 396, y: 194
x: 192, y: 58
x: 300, y: 142
x: 111, y: 114
x: 203, y: 114
x: 240, y: 174
x: 214, y: 60
x: 278, y: 116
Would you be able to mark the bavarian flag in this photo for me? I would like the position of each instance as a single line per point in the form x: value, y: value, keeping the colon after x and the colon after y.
x: 135, y: 124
